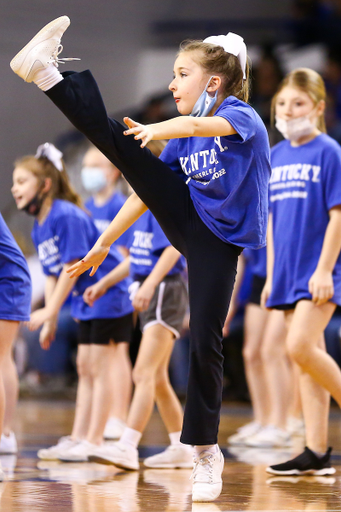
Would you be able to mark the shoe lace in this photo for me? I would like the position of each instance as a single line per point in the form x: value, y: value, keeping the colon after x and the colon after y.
x: 203, y: 467
x: 54, y: 57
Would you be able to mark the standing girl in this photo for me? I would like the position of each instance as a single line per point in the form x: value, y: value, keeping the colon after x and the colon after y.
x: 304, y: 262
x: 15, y: 307
x: 209, y: 195
x: 62, y: 232
x: 160, y: 296
x: 100, y: 177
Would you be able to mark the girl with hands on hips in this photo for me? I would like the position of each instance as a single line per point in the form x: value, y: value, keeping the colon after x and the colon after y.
x: 304, y: 244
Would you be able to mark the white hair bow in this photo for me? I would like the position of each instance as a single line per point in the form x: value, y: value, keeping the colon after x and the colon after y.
x: 50, y: 152
x: 232, y: 43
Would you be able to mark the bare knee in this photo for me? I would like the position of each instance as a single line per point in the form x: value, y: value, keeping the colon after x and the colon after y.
x: 83, y: 366
x: 143, y: 375
x: 251, y: 354
x: 299, y: 351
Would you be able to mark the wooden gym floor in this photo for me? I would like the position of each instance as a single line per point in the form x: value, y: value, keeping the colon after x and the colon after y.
x: 42, y: 486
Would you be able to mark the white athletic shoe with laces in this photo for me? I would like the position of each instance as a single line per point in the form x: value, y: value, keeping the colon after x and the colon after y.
x: 243, y: 433
x: 78, y: 453
x: 174, y: 456
x: 53, y: 452
x: 118, y: 454
x: 8, y: 444
x: 207, y: 480
x: 270, y: 437
x: 41, y: 51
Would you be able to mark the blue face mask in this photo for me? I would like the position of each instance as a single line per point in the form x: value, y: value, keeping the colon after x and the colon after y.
x: 93, y: 179
x: 204, y: 103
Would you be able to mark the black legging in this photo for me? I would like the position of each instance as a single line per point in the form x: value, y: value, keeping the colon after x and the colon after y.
x: 212, y: 263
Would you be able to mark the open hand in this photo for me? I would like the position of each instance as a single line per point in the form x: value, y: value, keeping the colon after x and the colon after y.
x: 93, y: 259
x: 47, y: 334
x: 140, y: 131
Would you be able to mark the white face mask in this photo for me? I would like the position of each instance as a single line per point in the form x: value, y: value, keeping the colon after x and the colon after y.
x: 295, y: 129
x: 93, y: 179
x: 204, y: 103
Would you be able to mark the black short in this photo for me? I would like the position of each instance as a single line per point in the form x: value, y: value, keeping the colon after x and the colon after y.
x: 286, y: 307
x: 257, y: 286
x: 101, y: 331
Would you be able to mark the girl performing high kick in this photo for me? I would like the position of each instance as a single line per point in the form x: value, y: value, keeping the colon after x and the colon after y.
x: 208, y: 191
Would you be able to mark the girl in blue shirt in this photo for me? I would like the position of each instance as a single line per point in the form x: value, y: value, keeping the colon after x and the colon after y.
x: 160, y: 297
x: 304, y: 271
x: 100, y: 178
x: 61, y: 233
x: 209, y: 195
x: 15, y: 307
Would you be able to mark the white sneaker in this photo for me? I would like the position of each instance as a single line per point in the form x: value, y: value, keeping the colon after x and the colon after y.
x: 53, y: 452
x: 207, y: 481
x: 114, y: 428
x: 175, y: 456
x: 8, y: 444
x: 295, y: 426
x: 78, y: 453
x: 2, y: 474
x: 270, y: 437
x: 119, y: 454
x: 41, y: 51
x: 244, y: 432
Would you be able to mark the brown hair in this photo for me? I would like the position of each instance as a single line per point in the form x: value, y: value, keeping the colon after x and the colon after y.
x: 216, y: 61
x: 43, y: 168
x: 308, y: 81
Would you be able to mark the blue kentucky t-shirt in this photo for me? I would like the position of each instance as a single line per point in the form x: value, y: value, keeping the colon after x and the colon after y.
x: 67, y: 234
x: 15, y: 279
x: 305, y: 184
x: 147, y: 243
x: 105, y: 213
x: 228, y: 176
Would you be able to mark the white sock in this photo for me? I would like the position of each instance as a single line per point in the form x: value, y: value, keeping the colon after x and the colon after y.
x: 175, y: 437
x: 48, y: 77
x: 212, y: 448
x: 131, y: 437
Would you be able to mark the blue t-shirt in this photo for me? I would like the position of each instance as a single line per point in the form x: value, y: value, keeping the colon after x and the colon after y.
x: 147, y: 244
x: 67, y: 234
x: 256, y: 261
x: 305, y: 184
x: 15, y: 279
x: 228, y: 176
x: 104, y: 214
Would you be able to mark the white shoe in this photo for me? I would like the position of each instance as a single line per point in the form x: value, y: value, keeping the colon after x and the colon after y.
x: 114, y: 428
x: 244, y: 432
x: 270, y: 437
x: 207, y: 481
x: 8, y: 444
x: 53, y: 452
x: 2, y: 474
x: 78, y: 453
x: 175, y: 456
x: 119, y: 454
x: 295, y: 426
x: 41, y: 51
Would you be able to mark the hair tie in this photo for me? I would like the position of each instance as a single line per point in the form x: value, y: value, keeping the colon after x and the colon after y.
x: 50, y: 152
x: 232, y: 43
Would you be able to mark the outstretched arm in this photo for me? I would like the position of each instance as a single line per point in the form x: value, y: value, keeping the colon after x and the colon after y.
x: 132, y: 209
x: 179, y: 127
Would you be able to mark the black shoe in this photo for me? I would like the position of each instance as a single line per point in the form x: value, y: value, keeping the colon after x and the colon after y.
x: 305, y: 464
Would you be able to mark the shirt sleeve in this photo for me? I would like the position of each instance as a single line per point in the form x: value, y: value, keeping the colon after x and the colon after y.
x: 331, y: 175
x: 243, y: 121
x: 170, y: 157
x: 73, y: 237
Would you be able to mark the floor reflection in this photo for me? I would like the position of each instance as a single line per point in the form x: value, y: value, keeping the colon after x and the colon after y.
x: 51, y: 486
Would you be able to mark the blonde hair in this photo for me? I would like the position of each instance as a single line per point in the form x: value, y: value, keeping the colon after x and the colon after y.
x: 308, y: 81
x: 42, y: 168
x: 216, y: 61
